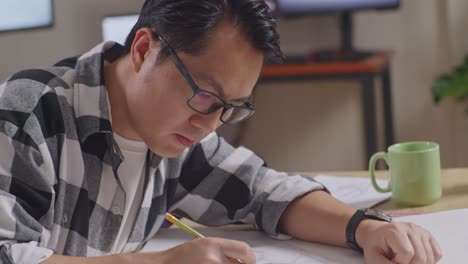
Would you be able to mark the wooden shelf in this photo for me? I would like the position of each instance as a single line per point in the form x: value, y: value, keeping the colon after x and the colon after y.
x: 373, y: 64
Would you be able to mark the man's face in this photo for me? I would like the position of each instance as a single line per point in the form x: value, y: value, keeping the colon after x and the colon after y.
x: 157, y: 94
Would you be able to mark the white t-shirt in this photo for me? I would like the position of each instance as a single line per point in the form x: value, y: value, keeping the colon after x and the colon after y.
x: 130, y: 173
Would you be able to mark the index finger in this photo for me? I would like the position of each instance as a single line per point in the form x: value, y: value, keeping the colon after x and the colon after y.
x: 436, y: 249
x: 238, y: 252
x: 237, y: 261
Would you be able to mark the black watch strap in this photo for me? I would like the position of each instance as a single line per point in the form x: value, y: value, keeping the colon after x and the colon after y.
x: 354, y: 222
x: 351, y: 228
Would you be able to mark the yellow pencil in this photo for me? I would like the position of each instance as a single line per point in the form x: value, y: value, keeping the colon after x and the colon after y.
x: 185, y: 227
x: 193, y: 232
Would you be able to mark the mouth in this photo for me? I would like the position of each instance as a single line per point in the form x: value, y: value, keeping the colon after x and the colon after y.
x: 184, y: 141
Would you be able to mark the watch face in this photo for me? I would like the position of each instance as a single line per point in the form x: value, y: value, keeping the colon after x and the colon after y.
x: 378, y: 215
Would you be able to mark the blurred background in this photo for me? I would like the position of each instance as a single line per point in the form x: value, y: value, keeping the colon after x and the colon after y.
x: 300, y: 125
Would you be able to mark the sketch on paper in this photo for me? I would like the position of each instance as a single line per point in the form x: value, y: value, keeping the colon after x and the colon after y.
x: 267, y: 250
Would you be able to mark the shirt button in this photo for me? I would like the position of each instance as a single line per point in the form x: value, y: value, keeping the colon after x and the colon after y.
x: 65, y: 219
x: 116, y: 210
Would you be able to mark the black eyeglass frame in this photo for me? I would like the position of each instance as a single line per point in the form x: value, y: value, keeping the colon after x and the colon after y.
x: 196, y: 89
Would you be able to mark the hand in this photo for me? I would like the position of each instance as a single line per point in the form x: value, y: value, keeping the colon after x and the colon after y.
x: 200, y: 250
x: 209, y: 251
x: 397, y: 242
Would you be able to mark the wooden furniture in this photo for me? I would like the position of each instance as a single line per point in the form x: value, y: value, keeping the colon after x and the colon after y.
x: 454, y: 192
x: 364, y: 71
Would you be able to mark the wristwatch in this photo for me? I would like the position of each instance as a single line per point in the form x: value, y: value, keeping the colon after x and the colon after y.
x: 356, y: 219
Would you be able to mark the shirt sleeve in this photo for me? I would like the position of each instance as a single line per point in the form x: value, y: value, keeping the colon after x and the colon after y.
x: 26, y: 198
x: 23, y: 253
x: 226, y: 185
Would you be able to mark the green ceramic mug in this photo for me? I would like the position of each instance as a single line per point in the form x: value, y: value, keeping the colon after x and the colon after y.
x: 414, y: 172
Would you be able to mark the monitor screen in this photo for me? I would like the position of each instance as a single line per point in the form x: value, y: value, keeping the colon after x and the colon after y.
x: 299, y: 7
x: 24, y: 14
x: 116, y: 28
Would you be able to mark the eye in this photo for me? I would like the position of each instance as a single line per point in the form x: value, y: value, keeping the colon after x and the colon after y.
x: 205, y: 96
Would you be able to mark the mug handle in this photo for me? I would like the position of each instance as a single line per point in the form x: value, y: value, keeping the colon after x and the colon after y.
x: 372, y: 161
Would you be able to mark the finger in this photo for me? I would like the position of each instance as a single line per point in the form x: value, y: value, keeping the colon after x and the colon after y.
x: 238, y: 251
x: 436, y: 249
x: 429, y: 251
x: 235, y: 261
x: 420, y: 254
x: 401, y: 247
x: 375, y: 256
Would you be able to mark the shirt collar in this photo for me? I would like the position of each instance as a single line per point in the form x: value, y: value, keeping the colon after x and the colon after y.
x: 91, y: 100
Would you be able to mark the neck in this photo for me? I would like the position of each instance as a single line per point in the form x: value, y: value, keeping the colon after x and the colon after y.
x: 118, y: 77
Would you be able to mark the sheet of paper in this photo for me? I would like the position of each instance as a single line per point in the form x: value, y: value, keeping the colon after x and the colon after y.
x: 450, y: 229
x: 357, y: 192
x: 267, y: 250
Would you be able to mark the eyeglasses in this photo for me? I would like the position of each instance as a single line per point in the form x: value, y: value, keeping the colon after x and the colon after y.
x: 205, y: 102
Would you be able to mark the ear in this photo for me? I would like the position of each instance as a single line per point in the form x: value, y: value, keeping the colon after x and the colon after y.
x: 142, y: 47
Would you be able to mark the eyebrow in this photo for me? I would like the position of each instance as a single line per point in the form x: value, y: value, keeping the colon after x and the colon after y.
x: 220, y: 89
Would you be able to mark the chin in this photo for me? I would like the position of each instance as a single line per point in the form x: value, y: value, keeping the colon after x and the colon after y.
x: 167, y: 151
x: 166, y: 147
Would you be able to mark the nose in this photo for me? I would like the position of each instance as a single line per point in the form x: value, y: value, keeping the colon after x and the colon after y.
x: 208, y: 123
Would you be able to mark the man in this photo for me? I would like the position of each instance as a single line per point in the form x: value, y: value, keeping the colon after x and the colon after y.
x: 97, y: 148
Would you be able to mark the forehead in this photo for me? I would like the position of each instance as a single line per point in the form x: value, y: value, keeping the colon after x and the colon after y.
x: 230, y: 59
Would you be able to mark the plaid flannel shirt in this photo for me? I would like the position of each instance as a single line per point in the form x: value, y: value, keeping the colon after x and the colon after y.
x: 56, y: 144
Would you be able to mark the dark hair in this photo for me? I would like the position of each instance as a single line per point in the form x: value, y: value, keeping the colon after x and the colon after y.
x: 187, y: 24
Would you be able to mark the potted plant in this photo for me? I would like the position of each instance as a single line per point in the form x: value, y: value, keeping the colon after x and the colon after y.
x: 454, y: 84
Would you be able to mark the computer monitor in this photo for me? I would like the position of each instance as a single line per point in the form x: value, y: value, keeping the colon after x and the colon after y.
x: 116, y: 28
x: 25, y: 14
x: 295, y: 8
x: 304, y: 7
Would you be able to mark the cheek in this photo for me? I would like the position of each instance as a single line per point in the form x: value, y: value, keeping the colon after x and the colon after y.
x: 159, y: 100
x: 164, y: 108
